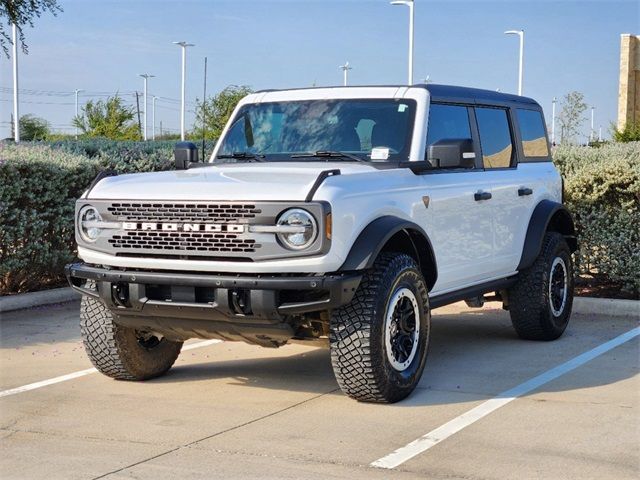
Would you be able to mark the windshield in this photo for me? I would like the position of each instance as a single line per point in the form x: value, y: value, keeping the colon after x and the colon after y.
x: 372, y: 130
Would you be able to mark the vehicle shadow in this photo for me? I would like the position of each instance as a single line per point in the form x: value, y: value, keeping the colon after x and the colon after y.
x: 473, y: 355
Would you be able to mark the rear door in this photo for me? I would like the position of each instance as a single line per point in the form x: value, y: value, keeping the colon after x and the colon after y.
x: 459, y: 225
x: 512, y: 187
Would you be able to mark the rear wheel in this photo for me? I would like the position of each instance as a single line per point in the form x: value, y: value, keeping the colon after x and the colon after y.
x: 379, y: 341
x: 540, y: 302
x: 120, y: 352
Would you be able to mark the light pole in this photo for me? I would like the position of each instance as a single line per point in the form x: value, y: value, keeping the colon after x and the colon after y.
x: 553, y: 121
x: 427, y: 80
x: 146, y: 78
x: 592, y: 132
x: 16, y: 112
x: 345, y: 73
x: 184, y: 46
x: 77, y: 90
x: 520, y: 33
x: 153, y: 117
x: 409, y: 3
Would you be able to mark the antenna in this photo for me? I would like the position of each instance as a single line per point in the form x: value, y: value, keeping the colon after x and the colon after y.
x: 204, y: 112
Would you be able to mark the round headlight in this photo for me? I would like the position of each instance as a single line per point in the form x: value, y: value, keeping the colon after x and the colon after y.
x: 301, y: 226
x: 88, y: 218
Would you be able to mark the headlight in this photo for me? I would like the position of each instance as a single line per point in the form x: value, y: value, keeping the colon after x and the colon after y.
x: 302, y: 229
x: 87, y: 223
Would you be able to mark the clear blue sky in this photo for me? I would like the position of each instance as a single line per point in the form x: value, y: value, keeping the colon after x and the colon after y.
x: 102, y: 46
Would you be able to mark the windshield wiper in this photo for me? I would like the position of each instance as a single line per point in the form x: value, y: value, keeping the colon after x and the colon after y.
x: 254, y: 157
x: 329, y: 154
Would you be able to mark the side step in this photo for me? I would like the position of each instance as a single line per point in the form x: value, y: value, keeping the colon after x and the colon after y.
x: 474, y: 294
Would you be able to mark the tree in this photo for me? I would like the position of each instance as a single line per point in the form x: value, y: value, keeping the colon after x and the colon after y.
x: 571, y: 117
x: 630, y: 133
x: 22, y: 13
x: 34, y: 128
x: 214, y: 113
x: 108, y: 118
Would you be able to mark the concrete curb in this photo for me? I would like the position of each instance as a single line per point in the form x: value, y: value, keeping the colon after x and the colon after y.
x: 37, y: 299
x: 606, y: 306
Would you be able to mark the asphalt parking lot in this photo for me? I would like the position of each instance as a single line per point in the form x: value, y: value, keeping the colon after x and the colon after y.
x: 230, y: 410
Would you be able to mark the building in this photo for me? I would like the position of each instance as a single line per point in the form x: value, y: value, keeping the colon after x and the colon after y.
x: 629, y: 90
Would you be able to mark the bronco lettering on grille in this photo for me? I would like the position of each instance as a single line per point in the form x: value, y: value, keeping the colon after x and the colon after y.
x: 185, y: 227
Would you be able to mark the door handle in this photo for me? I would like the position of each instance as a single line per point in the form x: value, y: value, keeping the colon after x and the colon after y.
x: 524, y: 191
x: 481, y: 196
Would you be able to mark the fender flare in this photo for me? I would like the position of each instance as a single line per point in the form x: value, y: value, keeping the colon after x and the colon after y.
x: 547, y: 216
x: 373, y: 238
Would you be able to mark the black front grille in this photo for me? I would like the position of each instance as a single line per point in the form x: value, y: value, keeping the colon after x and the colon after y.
x: 184, y: 242
x: 183, y: 212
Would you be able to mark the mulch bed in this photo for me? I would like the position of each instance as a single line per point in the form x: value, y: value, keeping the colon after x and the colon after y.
x: 600, y: 287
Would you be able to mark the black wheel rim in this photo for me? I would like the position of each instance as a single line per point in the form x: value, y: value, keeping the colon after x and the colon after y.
x: 402, y: 329
x: 558, y: 286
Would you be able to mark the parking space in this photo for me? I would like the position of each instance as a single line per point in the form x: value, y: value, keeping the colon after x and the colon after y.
x: 230, y: 410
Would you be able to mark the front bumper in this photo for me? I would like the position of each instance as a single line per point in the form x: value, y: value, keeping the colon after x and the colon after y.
x: 264, y: 299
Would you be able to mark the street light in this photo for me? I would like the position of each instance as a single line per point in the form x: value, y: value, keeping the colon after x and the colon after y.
x: 184, y: 46
x: 592, y: 132
x: 153, y: 117
x: 409, y: 3
x: 146, y: 78
x: 553, y: 121
x: 520, y: 33
x: 16, y: 113
x: 77, y: 90
x: 345, y: 71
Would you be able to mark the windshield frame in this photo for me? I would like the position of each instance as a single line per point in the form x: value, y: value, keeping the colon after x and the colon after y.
x: 241, y: 109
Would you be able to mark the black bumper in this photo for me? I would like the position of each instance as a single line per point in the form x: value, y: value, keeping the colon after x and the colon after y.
x: 223, y: 298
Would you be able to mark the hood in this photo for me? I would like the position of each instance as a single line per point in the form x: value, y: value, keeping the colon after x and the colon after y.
x: 253, y: 181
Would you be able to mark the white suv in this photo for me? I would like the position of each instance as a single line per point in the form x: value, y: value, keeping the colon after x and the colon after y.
x: 337, y: 216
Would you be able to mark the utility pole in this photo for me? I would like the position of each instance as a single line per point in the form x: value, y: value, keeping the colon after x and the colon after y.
x: 410, y: 4
x: 161, y: 129
x: 153, y: 117
x: 592, y: 132
x: 553, y: 121
x: 138, y: 108
x: 345, y: 73
x: 16, y: 112
x: 77, y: 91
x: 146, y: 78
x: 520, y: 34
x: 184, y: 46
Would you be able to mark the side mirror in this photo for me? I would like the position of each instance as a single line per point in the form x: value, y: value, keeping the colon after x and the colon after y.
x: 452, y: 153
x: 185, y: 153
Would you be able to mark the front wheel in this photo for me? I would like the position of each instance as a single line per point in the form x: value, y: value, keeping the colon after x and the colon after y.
x: 540, y: 302
x: 120, y: 352
x: 379, y: 341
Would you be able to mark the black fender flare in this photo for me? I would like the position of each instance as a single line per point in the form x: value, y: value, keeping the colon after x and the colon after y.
x: 547, y: 216
x: 374, y: 237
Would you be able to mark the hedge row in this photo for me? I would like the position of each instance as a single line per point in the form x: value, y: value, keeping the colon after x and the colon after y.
x: 602, y: 190
x: 40, y: 182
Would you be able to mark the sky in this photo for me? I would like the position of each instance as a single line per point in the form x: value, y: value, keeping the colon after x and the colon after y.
x: 102, y: 46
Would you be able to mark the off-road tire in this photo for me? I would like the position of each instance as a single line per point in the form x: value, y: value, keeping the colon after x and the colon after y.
x: 116, y: 350
x: 357, y: 333
x: 530, y: 306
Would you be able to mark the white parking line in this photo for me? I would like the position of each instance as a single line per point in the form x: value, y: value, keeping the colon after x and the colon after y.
x: 452, y: 427
x: 82, y: 373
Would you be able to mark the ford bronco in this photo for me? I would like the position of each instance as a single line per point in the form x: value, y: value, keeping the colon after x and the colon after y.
x: 333, y: 216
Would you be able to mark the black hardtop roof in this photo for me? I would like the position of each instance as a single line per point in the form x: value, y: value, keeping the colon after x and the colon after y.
x: 479, y: 95
x: 439, y: 92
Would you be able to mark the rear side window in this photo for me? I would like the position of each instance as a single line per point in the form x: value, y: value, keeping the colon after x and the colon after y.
x: 534, y: 138
x: 447, y: 122
x: 495, y: 137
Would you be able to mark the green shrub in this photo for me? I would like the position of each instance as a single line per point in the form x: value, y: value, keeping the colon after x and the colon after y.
x: 602, y: 190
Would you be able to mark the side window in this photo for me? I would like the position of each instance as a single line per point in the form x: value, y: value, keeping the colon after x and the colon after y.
x: 495, y: 137
x: 534, y: 138
x: 447, y: 122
